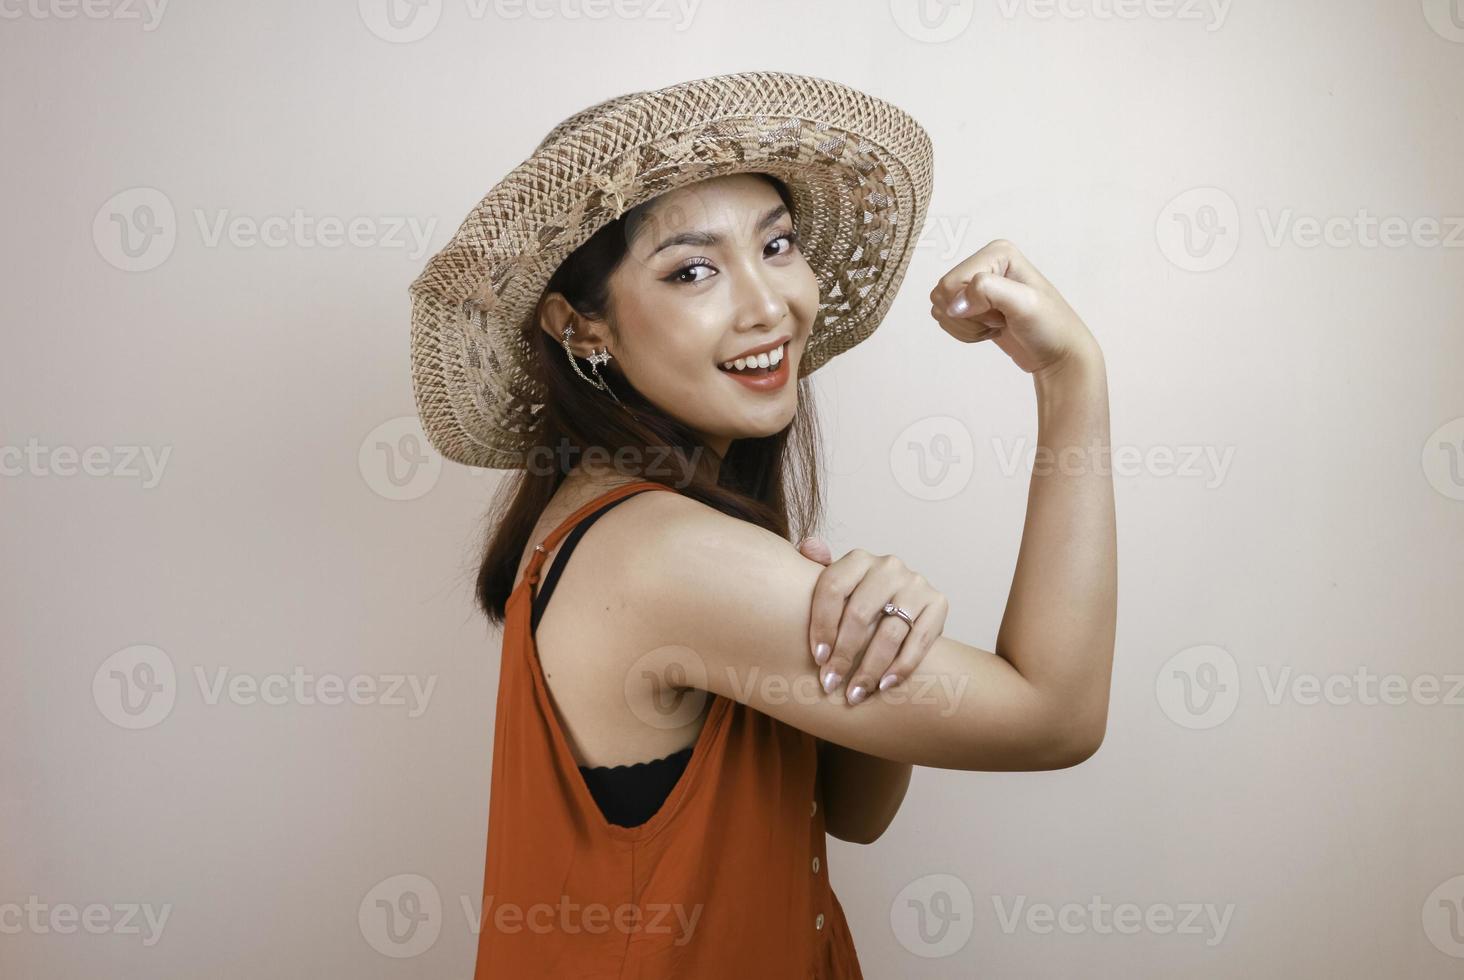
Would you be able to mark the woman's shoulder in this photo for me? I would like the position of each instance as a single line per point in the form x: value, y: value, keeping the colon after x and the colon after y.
x: 664, y: 541
x: 634, y: 525
x: 659, y: 521
x: 624, y: 530
x: 679, y: 553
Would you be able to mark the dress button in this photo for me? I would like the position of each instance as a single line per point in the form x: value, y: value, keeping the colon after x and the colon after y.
x: 813, y: 809
x: 815, y: 865
x: 818, y: 923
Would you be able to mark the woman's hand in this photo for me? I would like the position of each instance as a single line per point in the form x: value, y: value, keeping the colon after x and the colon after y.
x: 998, y: 295
x: 848, y: 617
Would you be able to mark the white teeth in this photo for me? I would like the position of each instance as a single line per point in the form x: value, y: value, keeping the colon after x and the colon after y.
x: 766, y: 359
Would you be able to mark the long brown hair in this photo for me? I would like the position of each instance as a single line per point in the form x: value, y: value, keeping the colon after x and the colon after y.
x: 758, y: 480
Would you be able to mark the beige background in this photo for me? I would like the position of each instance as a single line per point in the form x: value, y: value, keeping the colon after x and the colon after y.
x: 1287, y: 507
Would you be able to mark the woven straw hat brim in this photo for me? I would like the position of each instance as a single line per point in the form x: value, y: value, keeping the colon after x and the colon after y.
x: 858, y: 169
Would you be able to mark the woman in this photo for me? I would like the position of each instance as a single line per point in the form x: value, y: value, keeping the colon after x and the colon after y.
x: 666, y: 761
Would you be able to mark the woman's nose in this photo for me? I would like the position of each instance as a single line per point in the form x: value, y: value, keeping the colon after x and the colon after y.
x: 759, y: 300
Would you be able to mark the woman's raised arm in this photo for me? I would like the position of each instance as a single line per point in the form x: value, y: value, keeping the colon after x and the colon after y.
x: 730, y: 602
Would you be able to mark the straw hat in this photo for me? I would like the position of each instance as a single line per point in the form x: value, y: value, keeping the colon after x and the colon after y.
x: 858, y: 170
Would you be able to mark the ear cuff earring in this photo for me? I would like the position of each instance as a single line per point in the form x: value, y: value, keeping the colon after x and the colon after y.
x: 596, y: 358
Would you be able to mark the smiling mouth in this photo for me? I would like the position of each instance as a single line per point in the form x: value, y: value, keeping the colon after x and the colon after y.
x: 762, y: 364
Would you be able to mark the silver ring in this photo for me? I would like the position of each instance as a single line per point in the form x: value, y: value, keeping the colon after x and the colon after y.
x: 890, y: 609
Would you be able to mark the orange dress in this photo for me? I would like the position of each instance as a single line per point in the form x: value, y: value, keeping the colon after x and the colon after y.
x: 728, y: 879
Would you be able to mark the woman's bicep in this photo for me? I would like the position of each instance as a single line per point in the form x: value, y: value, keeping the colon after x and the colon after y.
x: 730, y: 602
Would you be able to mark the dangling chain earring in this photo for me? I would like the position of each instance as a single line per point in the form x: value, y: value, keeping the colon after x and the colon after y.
x: 596, y: 358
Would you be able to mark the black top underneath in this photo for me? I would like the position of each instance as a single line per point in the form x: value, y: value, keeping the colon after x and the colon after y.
x: 631, y: 795
x: 627, y: 795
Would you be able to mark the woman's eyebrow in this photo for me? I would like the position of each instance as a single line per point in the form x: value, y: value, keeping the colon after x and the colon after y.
x: 709, y: 238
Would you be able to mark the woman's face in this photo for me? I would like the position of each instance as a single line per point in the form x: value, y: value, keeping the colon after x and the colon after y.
x: 711, y: 272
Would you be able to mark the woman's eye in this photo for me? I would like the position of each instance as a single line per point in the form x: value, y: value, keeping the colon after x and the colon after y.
x: 791, y: 238
x: 687, y: 273
x: 680, y: 275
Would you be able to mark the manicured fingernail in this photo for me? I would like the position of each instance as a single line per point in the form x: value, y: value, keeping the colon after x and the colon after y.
x: 821, y: 653
x: 959, y: 305
x: 831, y: 681
x: 887, y: 682
x: 856, y: 694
